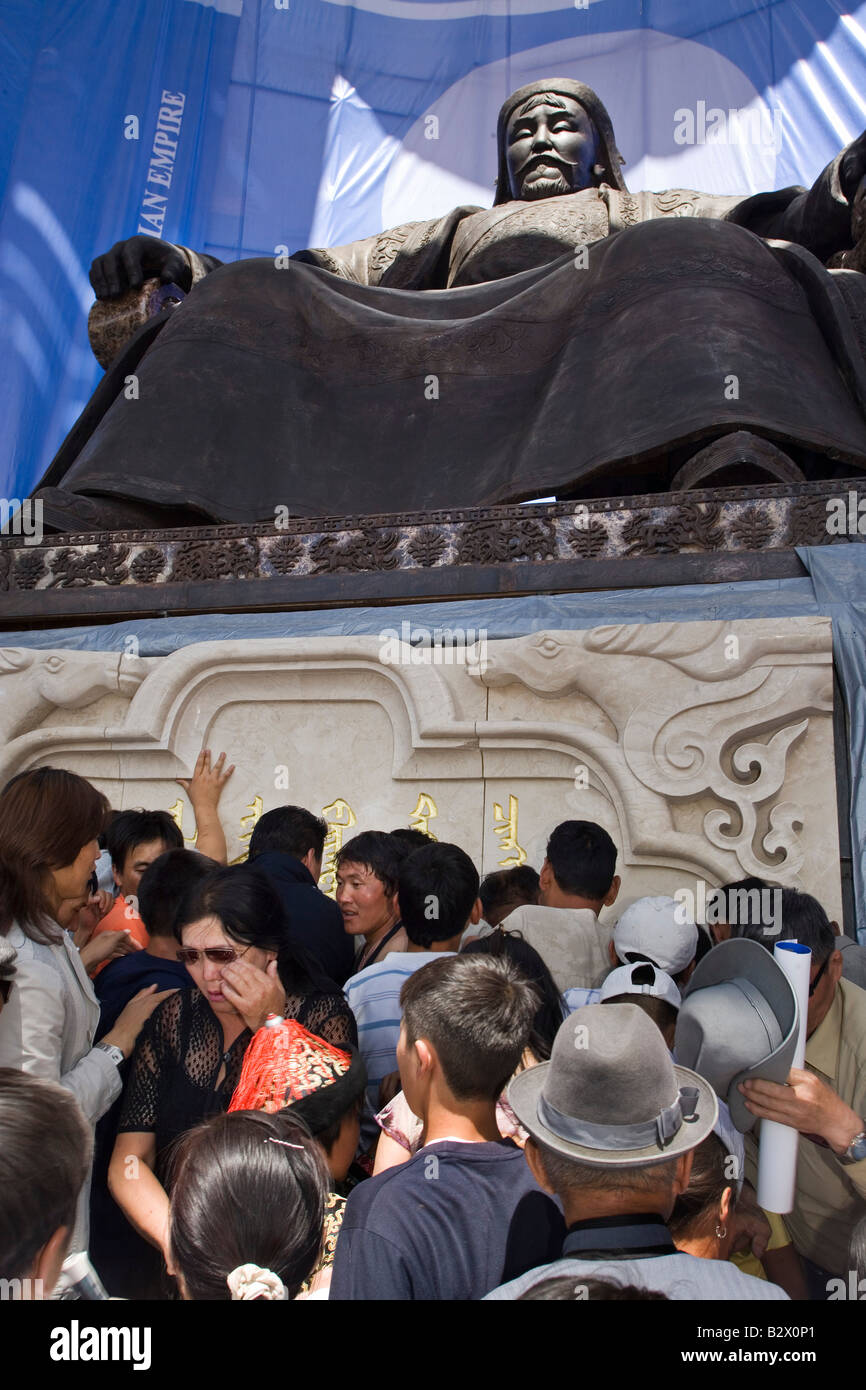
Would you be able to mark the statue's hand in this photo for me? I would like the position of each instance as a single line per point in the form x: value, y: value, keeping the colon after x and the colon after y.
x: 852, y: 170
x: 129, y: 263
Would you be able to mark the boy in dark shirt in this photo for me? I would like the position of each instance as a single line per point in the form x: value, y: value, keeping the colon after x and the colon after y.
x: 449, y: 1221
x: 160, y: 893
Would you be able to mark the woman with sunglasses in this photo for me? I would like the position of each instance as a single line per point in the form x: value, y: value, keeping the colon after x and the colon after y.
x: 233, y: 940
x: 49, y: 823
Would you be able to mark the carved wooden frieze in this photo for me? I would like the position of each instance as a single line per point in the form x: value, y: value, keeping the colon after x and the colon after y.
x: 762, y: 518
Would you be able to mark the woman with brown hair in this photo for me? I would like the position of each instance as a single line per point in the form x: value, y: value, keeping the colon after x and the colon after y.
x: 49, y: 823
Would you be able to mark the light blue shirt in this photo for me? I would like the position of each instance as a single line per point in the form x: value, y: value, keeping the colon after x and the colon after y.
x: 576, y: 998
x: 680, y: 1276
x: 374, y: 998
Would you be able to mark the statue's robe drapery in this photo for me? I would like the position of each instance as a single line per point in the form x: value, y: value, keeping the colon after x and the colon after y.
x: 478, y: 358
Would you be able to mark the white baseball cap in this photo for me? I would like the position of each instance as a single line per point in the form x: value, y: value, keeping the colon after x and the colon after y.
x: 657, y: 929
x: 640, y: 978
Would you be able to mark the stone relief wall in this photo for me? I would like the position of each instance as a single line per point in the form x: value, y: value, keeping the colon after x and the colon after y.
x: 704, y: 748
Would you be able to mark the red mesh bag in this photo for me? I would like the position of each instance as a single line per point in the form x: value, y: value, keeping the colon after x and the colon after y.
x: 284, y: 1063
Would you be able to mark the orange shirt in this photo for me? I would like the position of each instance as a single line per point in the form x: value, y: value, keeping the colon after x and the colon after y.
x: 122, y: 917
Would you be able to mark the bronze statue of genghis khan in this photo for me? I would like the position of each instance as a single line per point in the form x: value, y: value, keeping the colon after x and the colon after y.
x: 575, y: 339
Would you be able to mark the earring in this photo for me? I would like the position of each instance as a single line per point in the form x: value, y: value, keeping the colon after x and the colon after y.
x: 721, y: 1231
x: 598, y: 169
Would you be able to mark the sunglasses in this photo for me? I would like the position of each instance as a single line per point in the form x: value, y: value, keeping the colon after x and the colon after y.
x: 218, y: 955
x: 817, y: 980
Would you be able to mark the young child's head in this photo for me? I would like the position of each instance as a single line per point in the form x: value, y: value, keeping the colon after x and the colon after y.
x: 466, y: 1023
x: 291, y: 1071
x: 247, y: 1207
x: 651, y: 989
x: 332, y: 1109
x: 505, y: 889
x: 134, y: 839
x: 438, y: 894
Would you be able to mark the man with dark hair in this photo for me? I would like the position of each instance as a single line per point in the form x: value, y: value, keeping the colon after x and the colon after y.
x: 287, y: 845
x: 825, y: 1100
x: 729, y: 906
x: 134, y: 839
x: 367, y: 869
x: 463, y: 1213
x: 506, y: 889
x: 577, y: 880
x: 45, y: 1146
x: 160, y: 893
x: 437, y: 893
x: 853, y: 957
x: 501, y: 892
x: 734, y: 906
x: 612, y: 1124
x: 411, y: 838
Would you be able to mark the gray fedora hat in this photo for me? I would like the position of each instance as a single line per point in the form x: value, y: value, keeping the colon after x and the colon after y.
x: 610, y: 1096
x: 738, y: 1021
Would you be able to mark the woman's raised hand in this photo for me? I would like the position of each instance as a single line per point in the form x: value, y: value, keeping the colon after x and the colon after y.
x: 254, y: 993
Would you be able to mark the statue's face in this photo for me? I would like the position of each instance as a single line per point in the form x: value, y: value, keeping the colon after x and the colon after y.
x: 550, y: 149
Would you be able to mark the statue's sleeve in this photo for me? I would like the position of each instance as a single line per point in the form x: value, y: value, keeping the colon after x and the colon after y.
x: 413, y: 256
x: 818, y: 218
x: 199, y: 264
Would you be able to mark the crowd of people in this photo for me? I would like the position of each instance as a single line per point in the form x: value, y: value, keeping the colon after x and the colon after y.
x: 218, y: 1083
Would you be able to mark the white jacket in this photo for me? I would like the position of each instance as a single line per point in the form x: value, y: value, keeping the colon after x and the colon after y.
x: 47, y: 1029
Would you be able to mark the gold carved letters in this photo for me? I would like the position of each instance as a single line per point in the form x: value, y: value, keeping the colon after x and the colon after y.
x: 505, y: 827
x: 340, y: 817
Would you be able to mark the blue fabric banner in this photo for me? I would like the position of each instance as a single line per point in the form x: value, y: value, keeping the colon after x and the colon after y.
x: 238, y: 126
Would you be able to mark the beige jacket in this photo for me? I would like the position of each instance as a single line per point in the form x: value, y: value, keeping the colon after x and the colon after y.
x: 571, y: 941
x: 831, y: 1196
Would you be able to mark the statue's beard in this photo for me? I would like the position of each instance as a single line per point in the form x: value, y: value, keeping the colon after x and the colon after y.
x: 550, y: 185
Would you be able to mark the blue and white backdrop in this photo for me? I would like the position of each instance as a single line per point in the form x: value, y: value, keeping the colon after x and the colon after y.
x: 236, y: 126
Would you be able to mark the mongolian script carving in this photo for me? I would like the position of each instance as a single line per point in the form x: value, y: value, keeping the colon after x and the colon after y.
x: 339, y: 816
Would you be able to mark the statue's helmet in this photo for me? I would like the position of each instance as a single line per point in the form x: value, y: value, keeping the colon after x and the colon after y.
x: 608, y: 154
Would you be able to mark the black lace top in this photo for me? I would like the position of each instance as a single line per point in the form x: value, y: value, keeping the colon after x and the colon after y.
x: 179, y: 1055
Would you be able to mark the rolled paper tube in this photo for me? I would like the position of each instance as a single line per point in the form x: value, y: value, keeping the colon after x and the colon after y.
x: 778, y: 1144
